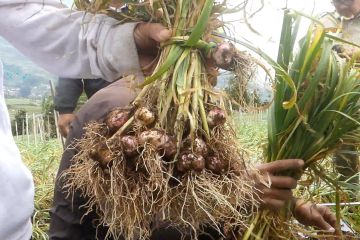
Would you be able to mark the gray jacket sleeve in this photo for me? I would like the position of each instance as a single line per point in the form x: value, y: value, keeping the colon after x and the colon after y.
x: 69, y: 43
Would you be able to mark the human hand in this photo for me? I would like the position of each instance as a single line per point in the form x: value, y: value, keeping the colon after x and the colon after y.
x: 64, y: 122
x: 310, y: 214
x: 147, y: 38
x: 274, y: 190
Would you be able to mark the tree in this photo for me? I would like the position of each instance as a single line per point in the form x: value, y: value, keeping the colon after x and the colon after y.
x: 48, y: 115
x: 19, y: 122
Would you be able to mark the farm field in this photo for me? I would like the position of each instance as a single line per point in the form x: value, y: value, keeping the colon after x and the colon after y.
x: 43, y: 160
x: 29, y: 105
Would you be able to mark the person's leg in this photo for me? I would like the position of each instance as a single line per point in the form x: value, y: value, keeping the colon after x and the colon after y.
x: 175, y: 234
x: 67, y: 215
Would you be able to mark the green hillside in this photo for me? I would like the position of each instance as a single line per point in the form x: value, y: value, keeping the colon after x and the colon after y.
x: 19, y: 71
x: 29, y: 105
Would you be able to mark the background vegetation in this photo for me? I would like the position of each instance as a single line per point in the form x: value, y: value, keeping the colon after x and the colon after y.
x: 22, y: 77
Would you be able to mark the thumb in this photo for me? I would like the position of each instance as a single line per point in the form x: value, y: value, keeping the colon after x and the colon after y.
x: 158, y: 32
x: 148, y: 35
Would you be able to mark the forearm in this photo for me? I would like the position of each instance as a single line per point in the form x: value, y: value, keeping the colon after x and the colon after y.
x: 69, y: 43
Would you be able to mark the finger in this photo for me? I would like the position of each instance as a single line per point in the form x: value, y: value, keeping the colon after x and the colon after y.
x: 148, y: 35
x: 279, y: 194
x: 272, y: 204
x: 283, y: 182
x: 328, y: 216
x: 282, y: 165
x: 320, y: 223
x: 158, y: 32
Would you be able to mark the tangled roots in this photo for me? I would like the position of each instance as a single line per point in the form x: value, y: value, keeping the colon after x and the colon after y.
x: 124, y: 192
x: 132, y: 195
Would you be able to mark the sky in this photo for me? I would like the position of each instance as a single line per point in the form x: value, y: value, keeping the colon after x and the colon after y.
x: 268, y: 21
